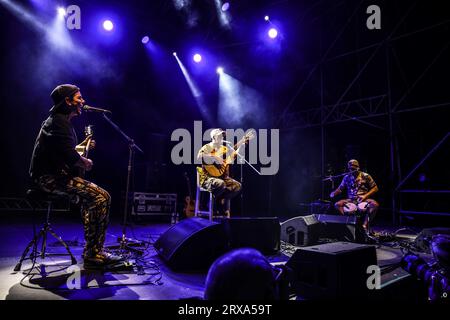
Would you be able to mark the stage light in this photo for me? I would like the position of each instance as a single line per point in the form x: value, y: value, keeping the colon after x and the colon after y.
x: 272, y: 33
x: 174, y: 54
x: 219, y: 70
x: 225, y: 6
x: 197, y: 57
x: 222, y: 14
x: 61, y: 11
x: 108, y: 25
x: 145, y: 40
x: 266, y: 18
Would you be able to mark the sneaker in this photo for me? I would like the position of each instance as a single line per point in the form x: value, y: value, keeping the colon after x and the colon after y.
x: 109, y: 257
x: 100, y: 260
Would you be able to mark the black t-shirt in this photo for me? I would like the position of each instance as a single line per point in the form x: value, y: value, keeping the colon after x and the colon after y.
x: 54, y: 149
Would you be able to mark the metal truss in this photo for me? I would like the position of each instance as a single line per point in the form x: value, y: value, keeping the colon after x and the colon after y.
x: 23, y: 205
x: 357, y: 110
x: 361, y: 108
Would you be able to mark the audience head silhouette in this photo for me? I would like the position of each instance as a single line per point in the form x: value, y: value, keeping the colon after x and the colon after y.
x: 241, y: 274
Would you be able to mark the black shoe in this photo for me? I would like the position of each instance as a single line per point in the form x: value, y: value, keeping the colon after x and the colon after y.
x: 100, y: 260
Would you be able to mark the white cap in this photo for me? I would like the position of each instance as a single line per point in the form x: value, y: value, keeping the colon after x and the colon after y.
x: 216, y: 132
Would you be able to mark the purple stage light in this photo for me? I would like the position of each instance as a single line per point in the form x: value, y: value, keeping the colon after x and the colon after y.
x: 197, y: 57
x: 225, y: 6
x: 219, y: 70
x: 174, y: 54
x: 61, y: 11
x: 145, y: 40
x: 272, y: 33
x: 266, y: 18
x: 108, y: 25
x: 422, y: 177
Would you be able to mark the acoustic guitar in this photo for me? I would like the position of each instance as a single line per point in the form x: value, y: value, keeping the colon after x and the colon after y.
x: 84, y: 147
x: 219, y: 170
x: 189, y: 202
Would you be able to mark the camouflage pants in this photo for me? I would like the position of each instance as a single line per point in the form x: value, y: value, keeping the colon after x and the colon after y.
x: 95, y: 203
x: 226, y: 189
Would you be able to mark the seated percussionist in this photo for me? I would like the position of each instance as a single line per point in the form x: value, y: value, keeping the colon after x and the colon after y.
x: 360, y: 186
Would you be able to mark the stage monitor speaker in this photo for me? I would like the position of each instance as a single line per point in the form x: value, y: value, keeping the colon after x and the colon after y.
x: 341, y: 228
x: 301, y: 231
x: 332, y: 270
x: 260, y: 233
x: 192, y: 244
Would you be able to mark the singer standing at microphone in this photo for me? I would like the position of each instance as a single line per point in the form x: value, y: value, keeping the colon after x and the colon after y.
x: 55, y: 168
x: 360, y: 187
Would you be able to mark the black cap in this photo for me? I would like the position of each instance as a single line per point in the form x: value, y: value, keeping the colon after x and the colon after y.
x: 59, y: 95
x: 353, y: 162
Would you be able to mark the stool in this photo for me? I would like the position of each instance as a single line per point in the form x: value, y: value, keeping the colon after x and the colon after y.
x: 197, y: 211
x: 38, y: 195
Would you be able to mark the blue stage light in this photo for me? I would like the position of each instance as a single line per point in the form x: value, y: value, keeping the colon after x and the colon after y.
x: 108, y: 25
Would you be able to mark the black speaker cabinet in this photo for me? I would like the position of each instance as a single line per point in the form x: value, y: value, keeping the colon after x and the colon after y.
x: 301, y: 231
x: 192, y: 244
x: 341, y: 228
x: 331, y: 271
x: 260, y: 233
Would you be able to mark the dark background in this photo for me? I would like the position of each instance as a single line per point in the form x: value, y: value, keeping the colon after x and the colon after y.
x: 325, y: 55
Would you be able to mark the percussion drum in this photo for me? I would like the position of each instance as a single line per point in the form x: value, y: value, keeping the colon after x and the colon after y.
x: 350, y: 208
x: 362, y: 206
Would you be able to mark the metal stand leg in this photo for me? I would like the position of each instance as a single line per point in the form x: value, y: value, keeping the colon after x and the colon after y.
x: 60, y: 240
x: 43, y: 234
x: 33, y: 243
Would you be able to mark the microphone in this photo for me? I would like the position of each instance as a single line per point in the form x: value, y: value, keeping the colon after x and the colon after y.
x: 227, y: 142
x: 92, y: 109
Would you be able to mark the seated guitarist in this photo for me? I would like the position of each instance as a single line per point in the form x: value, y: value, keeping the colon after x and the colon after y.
x: 222, y: 187
x: 55, y: 168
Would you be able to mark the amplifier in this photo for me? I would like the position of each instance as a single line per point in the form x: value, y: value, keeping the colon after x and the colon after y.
x: 148, y: 204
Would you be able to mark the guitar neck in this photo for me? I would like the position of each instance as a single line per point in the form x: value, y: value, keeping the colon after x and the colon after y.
x: 188, y: 182
x: 238, y: 144
x: 88, y: 146
x: 83, y: 150
x: 189, y: 190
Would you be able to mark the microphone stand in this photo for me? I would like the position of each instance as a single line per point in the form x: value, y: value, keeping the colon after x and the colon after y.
x: 243, y: 160
x: 124, y: 242
x: 330, y: 177
x: 242, y: 189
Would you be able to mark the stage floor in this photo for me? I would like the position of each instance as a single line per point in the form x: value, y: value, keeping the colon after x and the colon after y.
x: 156, y: 282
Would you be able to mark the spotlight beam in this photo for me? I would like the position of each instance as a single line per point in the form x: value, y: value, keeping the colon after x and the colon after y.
x: 24, y: 15
x: 194, y: 90
x: 240, y: 103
